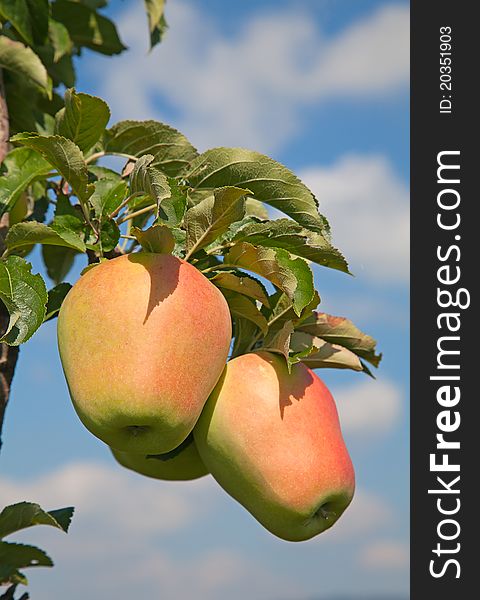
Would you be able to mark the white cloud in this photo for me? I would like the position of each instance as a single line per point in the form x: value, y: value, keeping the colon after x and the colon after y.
x: 122, y: 544
x: 368, y: 407
x: 385, y: 554
x: 122, y: 540
x: 154, y: 507
x: 249, y: 89
x: 368, y: 207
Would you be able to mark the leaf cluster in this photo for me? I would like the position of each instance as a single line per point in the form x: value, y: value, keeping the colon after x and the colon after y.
x: 14, y: 556
x: 39, y: 41
x: 210, y: 209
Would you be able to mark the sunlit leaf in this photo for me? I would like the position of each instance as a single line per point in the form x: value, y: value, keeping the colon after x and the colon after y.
x: 21, y: 166
x: 171, y: 150
x: 212, y: 216
x: 292, y: 275
x: 341, y: 331
x: 88, y: 28
x: 83, y: 119
x: 23, y: 61
x: 24, y: 296
x: 156, y: 20
x: 269, y: 181
x: 64, y: 155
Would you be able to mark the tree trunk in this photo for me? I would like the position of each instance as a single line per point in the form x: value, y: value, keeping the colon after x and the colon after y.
x: 8, y: 354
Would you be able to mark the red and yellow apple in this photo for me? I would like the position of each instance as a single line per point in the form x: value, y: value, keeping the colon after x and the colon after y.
x: 143, y: 339
x: 272, y: 440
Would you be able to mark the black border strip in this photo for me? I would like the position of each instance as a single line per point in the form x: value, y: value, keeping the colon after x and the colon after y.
x: 433, y: 245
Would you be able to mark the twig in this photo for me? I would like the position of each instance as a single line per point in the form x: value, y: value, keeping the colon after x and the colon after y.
x: 220, y: 266
x: 94, y: 156
x: 222, y: 247
x: 101, y: 154
x: 142, y: 211
x: 124, y: 204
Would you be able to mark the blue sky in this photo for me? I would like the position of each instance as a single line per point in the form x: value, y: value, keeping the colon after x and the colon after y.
x: 322, y: 86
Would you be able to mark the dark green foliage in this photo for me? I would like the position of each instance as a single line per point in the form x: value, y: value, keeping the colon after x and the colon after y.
x: 14, y: 557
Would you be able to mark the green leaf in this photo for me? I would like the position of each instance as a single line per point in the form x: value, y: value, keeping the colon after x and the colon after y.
x: 19, y: 556
x: 172, y: 208
x: 27, y: 514
x: 39, y: 10
x: 16, y: 11
x: 55, y: 298
x: 245, y: 332
x: 64, y: 155
x: 16, y: 578
x: 83, y: 119
x: 156, y: 20
x: 24, y: 296
x: 255, y: 208
x: 60, y: 40
x: 87, y: 28
x: 69, y: 221
x: 20, y: 97
x: 107, y: 197
x: 96, y: 173
x: 300, y: 351
x: 240, y: 282
x: 23, y: 61
x: 108, y: 238
x: 22, y: 166
x: 61, y: 72
x: 158, y: 239
x: 285, y: 233
x: 28, y: 17
x: 31, y: 232
x: 180, y: 236
x: 171, y: 150
x: 40, y: 209
x: 58, y: 261
x: 279, y: 342
x: 292, y: 275
x: 341, y: 331
x: 319, y: 354
x: 50, y: 106
x: 145, y: 179
x: 269, y: 181
x: 212, y: 216
x: 245, y: 308
x: 222, y: 242
x: 63, y: 516
x: 282, y: 311
x: 94, y: 4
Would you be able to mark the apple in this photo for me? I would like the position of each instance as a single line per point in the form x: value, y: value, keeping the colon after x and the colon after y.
x: 272, y: 440
x: 143, y: 339
x: 179, y: 464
